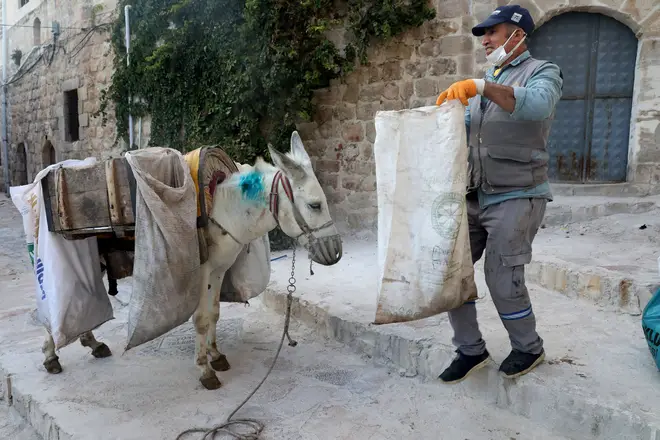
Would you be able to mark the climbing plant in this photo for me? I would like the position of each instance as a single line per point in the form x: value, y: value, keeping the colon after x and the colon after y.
x: 239, y: 73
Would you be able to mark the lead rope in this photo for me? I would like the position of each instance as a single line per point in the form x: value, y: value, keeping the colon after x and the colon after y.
x: 255, y: 425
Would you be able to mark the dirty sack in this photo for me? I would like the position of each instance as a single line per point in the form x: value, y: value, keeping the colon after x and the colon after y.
x: 424, y: 260
x: 249, y: 276
x: 166, y: 272
x: 651, y: 326
x: 71, y: 297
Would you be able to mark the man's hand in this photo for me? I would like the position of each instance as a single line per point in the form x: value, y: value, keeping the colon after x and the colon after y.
x: 462, y: 90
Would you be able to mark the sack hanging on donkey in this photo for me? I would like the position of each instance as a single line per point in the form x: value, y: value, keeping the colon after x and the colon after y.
x: 424, y: 259
x: 249, y: 276
x: 71, y: 297
x: 166, y: 273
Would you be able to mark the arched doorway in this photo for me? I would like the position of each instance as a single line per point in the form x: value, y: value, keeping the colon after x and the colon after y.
x: 36, y: 32
x: 20, y: 170
x: 589, y: 137
x: 48, y: 156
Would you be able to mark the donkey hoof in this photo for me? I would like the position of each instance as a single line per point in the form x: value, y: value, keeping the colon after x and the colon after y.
x: 102, y: 351
x: 210, y: 382
x: 53, y: 365
x: 220, y: 364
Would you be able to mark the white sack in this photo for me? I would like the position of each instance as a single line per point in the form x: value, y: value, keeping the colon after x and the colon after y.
x: 249, y: 276
x: 71, y: 297
x: 424, y: 260
x: 166, y: 266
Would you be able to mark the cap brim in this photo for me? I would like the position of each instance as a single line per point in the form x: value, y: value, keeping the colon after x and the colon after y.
x: 480, y: 29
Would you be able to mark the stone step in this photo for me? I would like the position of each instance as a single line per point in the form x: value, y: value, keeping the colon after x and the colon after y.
x: 611, y: 261
x: 604, y: 189
x: 598, y: 382
x: 612, y: 290
x: 572, y: 209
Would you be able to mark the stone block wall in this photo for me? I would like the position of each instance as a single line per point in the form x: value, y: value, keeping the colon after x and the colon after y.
x: 412, y: 70
x: 78, y: 59
x: 407, y: 72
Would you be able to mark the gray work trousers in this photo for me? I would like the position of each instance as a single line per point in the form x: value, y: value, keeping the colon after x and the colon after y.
x: 505, y: 232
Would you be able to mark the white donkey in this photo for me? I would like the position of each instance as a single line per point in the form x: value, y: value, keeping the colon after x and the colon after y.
x: 246, y: 206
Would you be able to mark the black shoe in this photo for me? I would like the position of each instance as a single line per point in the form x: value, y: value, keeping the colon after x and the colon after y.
x: 462, y: 366
x: 519, y: 363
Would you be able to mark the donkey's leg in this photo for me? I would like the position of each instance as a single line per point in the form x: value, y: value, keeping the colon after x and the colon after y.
x: 52, y: 362
x: 201, y: 319
x: 99, y: 349
x: 218, y: 360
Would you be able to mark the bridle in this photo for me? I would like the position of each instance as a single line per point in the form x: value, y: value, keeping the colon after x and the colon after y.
x: 280, y: 180
x: 283, y: 181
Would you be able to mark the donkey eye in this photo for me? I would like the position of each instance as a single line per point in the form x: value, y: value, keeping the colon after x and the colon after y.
x: 314, y: 206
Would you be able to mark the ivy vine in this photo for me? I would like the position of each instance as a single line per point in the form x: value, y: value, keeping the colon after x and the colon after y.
x: 239, y: 73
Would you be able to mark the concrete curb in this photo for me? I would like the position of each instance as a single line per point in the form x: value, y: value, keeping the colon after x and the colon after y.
x: 43, y: 423
x: 613, y: 291
x: 565, y: 411
x: 577, y: 209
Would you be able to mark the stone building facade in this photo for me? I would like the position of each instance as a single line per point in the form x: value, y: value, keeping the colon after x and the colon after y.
x: 407, y: 72
x: 412, y: 70
x: 54, y: 87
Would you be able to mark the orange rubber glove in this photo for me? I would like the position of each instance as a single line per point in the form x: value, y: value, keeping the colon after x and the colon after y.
x: 462, y: 90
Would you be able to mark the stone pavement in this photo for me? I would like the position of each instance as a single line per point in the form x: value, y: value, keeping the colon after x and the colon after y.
x: 599, y: 380
x: 319, y: 390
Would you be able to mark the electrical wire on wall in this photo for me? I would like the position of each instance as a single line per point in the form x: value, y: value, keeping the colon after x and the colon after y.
x: 46, y: 52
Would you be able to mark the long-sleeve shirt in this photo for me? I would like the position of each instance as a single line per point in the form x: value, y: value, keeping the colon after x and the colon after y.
x: 534, y: 102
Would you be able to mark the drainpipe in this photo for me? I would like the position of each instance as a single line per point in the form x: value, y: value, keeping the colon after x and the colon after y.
x: 5, y: 148
x: 139, y: 139
x: 128, y: 63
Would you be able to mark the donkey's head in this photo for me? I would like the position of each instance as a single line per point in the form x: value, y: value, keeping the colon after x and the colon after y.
x: 301, y: 208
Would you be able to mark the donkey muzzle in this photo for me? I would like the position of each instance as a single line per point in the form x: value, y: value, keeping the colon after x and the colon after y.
x: 326, y: 250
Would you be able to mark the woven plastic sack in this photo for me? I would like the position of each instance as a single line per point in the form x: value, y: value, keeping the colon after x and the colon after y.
x: 70, y: 294
x: 166, y: 272
x: 424, y: 259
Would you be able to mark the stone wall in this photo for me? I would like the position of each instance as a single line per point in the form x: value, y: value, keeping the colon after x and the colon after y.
x: 412, y: 70
x: 407, y: 72
x: 79, y: 59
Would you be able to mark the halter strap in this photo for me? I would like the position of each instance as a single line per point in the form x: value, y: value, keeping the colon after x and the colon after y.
x: 280, y: 179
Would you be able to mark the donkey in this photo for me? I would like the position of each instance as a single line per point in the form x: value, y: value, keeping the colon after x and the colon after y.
x: 246, y: 206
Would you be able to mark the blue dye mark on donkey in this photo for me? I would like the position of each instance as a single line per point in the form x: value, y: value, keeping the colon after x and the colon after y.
x: 252, y: 185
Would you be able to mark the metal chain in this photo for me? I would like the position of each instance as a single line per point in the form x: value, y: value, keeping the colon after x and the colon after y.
x: 256, y: 426
x: 291, y: 288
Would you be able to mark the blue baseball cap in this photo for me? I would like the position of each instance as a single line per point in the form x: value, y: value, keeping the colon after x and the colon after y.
x: 514, y: 14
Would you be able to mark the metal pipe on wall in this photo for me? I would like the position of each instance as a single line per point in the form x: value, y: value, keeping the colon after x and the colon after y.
x: 5, y: 146
x: 128, y: 63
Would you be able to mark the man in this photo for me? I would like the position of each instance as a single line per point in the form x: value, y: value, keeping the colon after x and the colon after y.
x: 508, y: 121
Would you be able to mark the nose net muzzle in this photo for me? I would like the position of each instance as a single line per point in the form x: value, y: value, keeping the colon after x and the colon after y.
x: 326, y: 250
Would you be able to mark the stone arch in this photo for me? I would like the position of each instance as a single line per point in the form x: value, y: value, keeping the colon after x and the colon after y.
x: 20, y: 165
x: 625, y: 18
x: 590, y: 137
x: 36, y: 31
x: 48, y: 154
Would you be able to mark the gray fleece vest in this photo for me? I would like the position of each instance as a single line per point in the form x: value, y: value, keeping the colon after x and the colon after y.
x: 507, y: 154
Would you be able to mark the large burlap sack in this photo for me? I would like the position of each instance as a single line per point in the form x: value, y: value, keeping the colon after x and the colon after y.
x: 424, y: 260
x: 166, y: 272
x: 70, y: 294
x: 249, y: 276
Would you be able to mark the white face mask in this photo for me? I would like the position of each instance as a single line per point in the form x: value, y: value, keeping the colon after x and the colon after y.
x: 499, y: 55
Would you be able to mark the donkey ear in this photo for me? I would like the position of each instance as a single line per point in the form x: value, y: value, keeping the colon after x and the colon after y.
x: 290, y: 168
x: 298, y: 150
